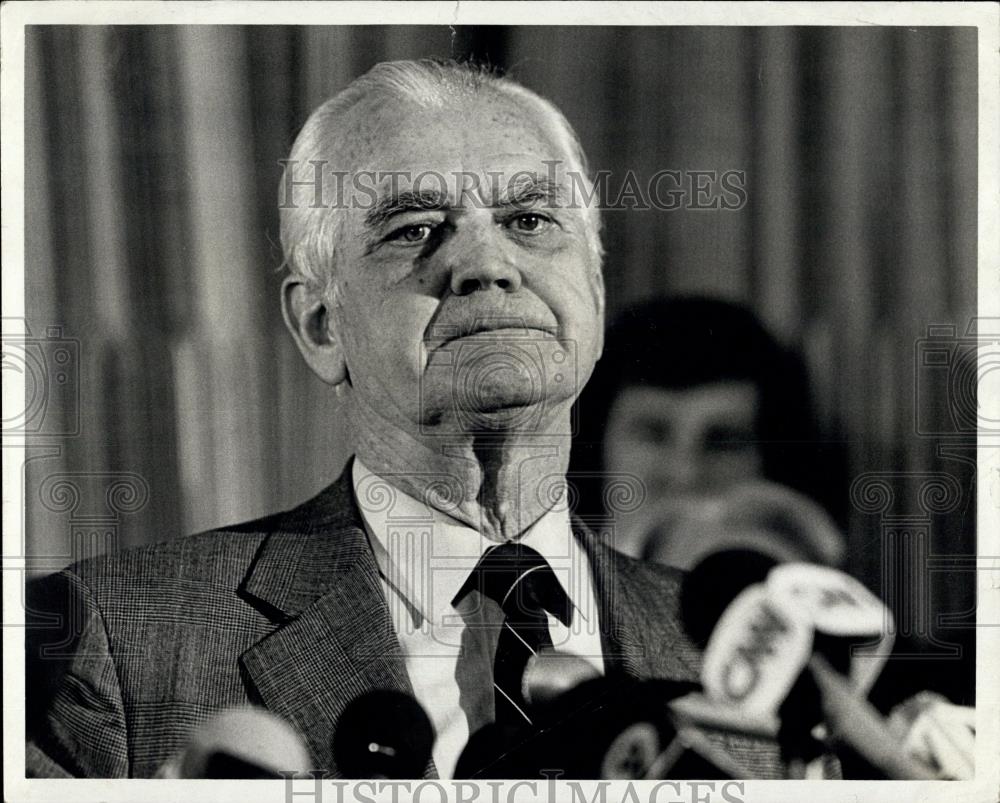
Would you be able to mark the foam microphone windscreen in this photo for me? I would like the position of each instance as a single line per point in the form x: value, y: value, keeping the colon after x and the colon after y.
x: 383, y: 734
x: 240, y: 743
x: 716, y: 581
x: 550, y: 673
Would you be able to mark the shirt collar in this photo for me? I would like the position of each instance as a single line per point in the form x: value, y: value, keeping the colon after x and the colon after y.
x: 427, y: 556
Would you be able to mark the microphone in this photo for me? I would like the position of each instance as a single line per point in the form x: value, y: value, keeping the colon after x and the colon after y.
x: 853, y: 628
x: 383, y: 734
x: 239, y: 743
x: 589, y: 726
x: 754, y: 663
x: 708, y: 589
x: 772, y: 650
x: 939, y: 733
x: 849, y: 618
x: 551, y: 673
x: 755, y: 654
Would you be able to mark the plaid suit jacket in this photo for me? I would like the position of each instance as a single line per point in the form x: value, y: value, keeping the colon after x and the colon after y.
x: 285, y: 612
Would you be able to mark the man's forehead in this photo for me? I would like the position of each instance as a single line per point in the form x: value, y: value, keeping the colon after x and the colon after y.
x: 509, y: 176
x: 478, y: 135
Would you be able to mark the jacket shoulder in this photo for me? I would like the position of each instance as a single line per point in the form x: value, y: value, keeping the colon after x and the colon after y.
x: 212, y: 567
x: 211, y: 555
x: 655, y: 588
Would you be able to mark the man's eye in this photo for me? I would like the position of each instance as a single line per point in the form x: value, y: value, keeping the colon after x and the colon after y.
x: 530, y: 222
x: 416, y: 233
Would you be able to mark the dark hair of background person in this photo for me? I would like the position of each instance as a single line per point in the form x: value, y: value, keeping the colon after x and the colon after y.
x: 684, y: 342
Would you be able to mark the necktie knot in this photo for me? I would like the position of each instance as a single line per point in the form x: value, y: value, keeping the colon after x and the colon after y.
x: 521, y: 582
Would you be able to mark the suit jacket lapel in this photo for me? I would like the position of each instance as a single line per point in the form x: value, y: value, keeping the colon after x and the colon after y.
x: 317, y: 575
x: 640, y: 633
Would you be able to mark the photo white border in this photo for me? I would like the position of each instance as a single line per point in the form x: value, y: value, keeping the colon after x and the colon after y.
x: 984, y: 16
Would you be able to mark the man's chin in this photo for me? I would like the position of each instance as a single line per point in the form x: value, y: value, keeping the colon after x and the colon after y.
x: 497, y: 382
x: 510, y: 415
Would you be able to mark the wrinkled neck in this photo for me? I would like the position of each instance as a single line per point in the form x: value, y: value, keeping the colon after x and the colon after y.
x: 497, y: 482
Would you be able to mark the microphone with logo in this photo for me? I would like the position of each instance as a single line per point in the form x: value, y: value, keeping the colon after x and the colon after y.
x: 383, y: 734
x: 849, y: 622
x: 779, y: 641
x: 239, y: 743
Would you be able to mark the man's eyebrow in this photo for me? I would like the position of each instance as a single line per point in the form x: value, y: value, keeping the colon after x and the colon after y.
x: 406, y: 201
x: 522, y: 192
x: 528, y: 189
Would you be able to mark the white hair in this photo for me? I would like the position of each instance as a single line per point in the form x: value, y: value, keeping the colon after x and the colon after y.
x: 309, y: 230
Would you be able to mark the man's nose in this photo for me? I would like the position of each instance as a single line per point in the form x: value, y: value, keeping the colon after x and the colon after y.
x: 482, y: 266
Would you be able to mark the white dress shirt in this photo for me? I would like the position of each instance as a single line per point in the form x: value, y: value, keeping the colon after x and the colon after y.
x: 424, y: 558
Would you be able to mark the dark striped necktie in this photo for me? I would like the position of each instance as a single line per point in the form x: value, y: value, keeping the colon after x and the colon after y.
x: 523, y: 584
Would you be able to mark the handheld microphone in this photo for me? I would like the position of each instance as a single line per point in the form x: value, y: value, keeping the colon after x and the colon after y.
x: 753, y: 664
x: 851, y: 627
x: 767, y: 629
x: 239, y: 743
x: 755, y: 654
x: 849, y: 619
x: 383, y: 734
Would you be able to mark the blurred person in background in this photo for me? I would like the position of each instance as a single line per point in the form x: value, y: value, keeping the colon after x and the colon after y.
x: 697, y: 433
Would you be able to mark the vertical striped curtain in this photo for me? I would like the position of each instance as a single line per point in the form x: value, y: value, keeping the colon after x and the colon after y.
x: 152, y: 174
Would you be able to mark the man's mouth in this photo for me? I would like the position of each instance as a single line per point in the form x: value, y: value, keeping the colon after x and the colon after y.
x: 492, y: 329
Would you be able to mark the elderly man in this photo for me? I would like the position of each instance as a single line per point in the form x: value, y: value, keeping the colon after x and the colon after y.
x: 448, y: 286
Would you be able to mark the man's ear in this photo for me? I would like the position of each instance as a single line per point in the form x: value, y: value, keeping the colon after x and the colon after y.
x: 310, y: 320
x: 599, y: 296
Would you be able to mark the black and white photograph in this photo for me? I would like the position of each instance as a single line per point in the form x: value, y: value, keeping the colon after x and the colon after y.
x: 501, y: 401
